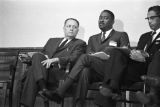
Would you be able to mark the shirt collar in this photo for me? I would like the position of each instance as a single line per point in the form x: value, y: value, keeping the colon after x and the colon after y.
x: 107, y: 33
x: 157, y: 31
x: 65, y: 39
x: 155, y: 35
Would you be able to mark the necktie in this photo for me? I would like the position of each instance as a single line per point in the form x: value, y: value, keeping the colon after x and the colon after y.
x: 150, y: 41
x: 153, y: 33
x: 63, y: 43
x: 103, y: 36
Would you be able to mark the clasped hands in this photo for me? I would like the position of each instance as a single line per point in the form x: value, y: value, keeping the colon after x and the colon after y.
x: 47, y: 63
x: 138, y: 55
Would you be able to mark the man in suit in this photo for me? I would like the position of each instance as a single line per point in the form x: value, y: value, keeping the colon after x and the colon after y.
x: 144, y: 59
x: 91, y: 67
x: 52, y: 60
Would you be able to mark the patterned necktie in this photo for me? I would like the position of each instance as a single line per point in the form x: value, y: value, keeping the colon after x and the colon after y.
x: 63, y: 43
x: 103, y: 36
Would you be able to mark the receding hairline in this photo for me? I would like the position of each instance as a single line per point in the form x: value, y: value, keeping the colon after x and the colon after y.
x: 71, y: 19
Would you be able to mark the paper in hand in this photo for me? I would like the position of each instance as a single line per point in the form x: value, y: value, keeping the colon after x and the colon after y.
x: 101, y: 55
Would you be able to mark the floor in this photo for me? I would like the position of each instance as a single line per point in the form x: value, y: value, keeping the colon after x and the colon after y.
x: 39, y: 103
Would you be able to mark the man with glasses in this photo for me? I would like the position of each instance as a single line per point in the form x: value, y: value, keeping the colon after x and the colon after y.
x: 145, y: 59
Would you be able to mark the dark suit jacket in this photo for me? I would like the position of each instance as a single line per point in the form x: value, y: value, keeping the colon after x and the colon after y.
x: 95, y: 44
x: 135, y: 69
x: 69, y: 53
x: 152, y: 48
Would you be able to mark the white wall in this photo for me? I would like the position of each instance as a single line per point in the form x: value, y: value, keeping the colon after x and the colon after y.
x: 30, y: 23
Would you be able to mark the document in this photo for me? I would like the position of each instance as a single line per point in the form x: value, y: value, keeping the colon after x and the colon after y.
x: 101, y: 55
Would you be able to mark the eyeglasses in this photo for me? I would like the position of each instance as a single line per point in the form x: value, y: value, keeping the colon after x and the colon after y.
x: 152, y: 17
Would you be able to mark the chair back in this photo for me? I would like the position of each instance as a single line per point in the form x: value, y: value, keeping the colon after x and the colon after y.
x: 8, y: 62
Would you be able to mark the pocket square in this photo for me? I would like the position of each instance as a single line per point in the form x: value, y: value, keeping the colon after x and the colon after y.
x: 158, y: 39
x: 113, y: 43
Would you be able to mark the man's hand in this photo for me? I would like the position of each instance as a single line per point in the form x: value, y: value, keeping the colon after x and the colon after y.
x: 137, y: 56
x: 23, y: 57
x: 48, y: 62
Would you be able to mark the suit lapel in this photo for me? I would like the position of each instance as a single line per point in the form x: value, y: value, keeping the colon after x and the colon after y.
x: 152, y: 43
x: 149, y: 40
x: 55, y: 47
x: 66, y: 46
x: 99, y: 37
x: 156, y: 38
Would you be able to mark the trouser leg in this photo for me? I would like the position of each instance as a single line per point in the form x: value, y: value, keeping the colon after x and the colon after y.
x: 82, y: 86
x: 35, y: 72
x: 29, y: 91
x: 154, y: 66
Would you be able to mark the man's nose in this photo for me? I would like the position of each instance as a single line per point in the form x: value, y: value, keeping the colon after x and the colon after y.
x: 71, y: 28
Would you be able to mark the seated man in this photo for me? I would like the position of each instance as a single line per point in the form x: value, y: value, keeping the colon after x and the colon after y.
x: 146, y: 58
x: 91, y: 67
x: 46, y: 65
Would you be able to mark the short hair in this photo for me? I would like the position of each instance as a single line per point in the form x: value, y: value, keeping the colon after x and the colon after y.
x: 71, y: 19
x: 155, y: 9
x: 110, y: 12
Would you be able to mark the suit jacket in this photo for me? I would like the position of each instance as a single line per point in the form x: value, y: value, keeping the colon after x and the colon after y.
x: 69, y: 53
x: 135, y: 69
x: 152, y: 48
x: 95, y: 44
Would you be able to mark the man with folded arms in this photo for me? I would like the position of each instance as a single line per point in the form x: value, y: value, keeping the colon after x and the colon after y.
x: 48, y: 66
x: 91, y: 67
x: 145, y: 59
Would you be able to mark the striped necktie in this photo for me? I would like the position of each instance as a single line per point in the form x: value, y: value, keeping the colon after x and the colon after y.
x: 150, y: 41
x: 103, y: 36
x: 63, y: 43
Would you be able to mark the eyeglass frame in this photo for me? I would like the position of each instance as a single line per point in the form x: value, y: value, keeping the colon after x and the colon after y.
x: 152, y: 17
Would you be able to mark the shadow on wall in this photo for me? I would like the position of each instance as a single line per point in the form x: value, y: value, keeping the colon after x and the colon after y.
x: 133, y: 44
x: 81, y: 32
x: 118, y: 25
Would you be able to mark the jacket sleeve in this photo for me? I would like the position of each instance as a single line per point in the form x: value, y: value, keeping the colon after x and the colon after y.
x: 89, y: 46
x: 124, y: 40
x: 44, y: 50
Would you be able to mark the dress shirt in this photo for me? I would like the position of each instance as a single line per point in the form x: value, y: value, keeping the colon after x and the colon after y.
x: 106, y: 33
x: 155, y: 35
x: 64, y: 40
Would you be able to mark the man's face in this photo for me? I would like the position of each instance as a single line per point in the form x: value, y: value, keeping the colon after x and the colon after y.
x: 153, y: 20
x: 105, y: 21
x: 71, y: 29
